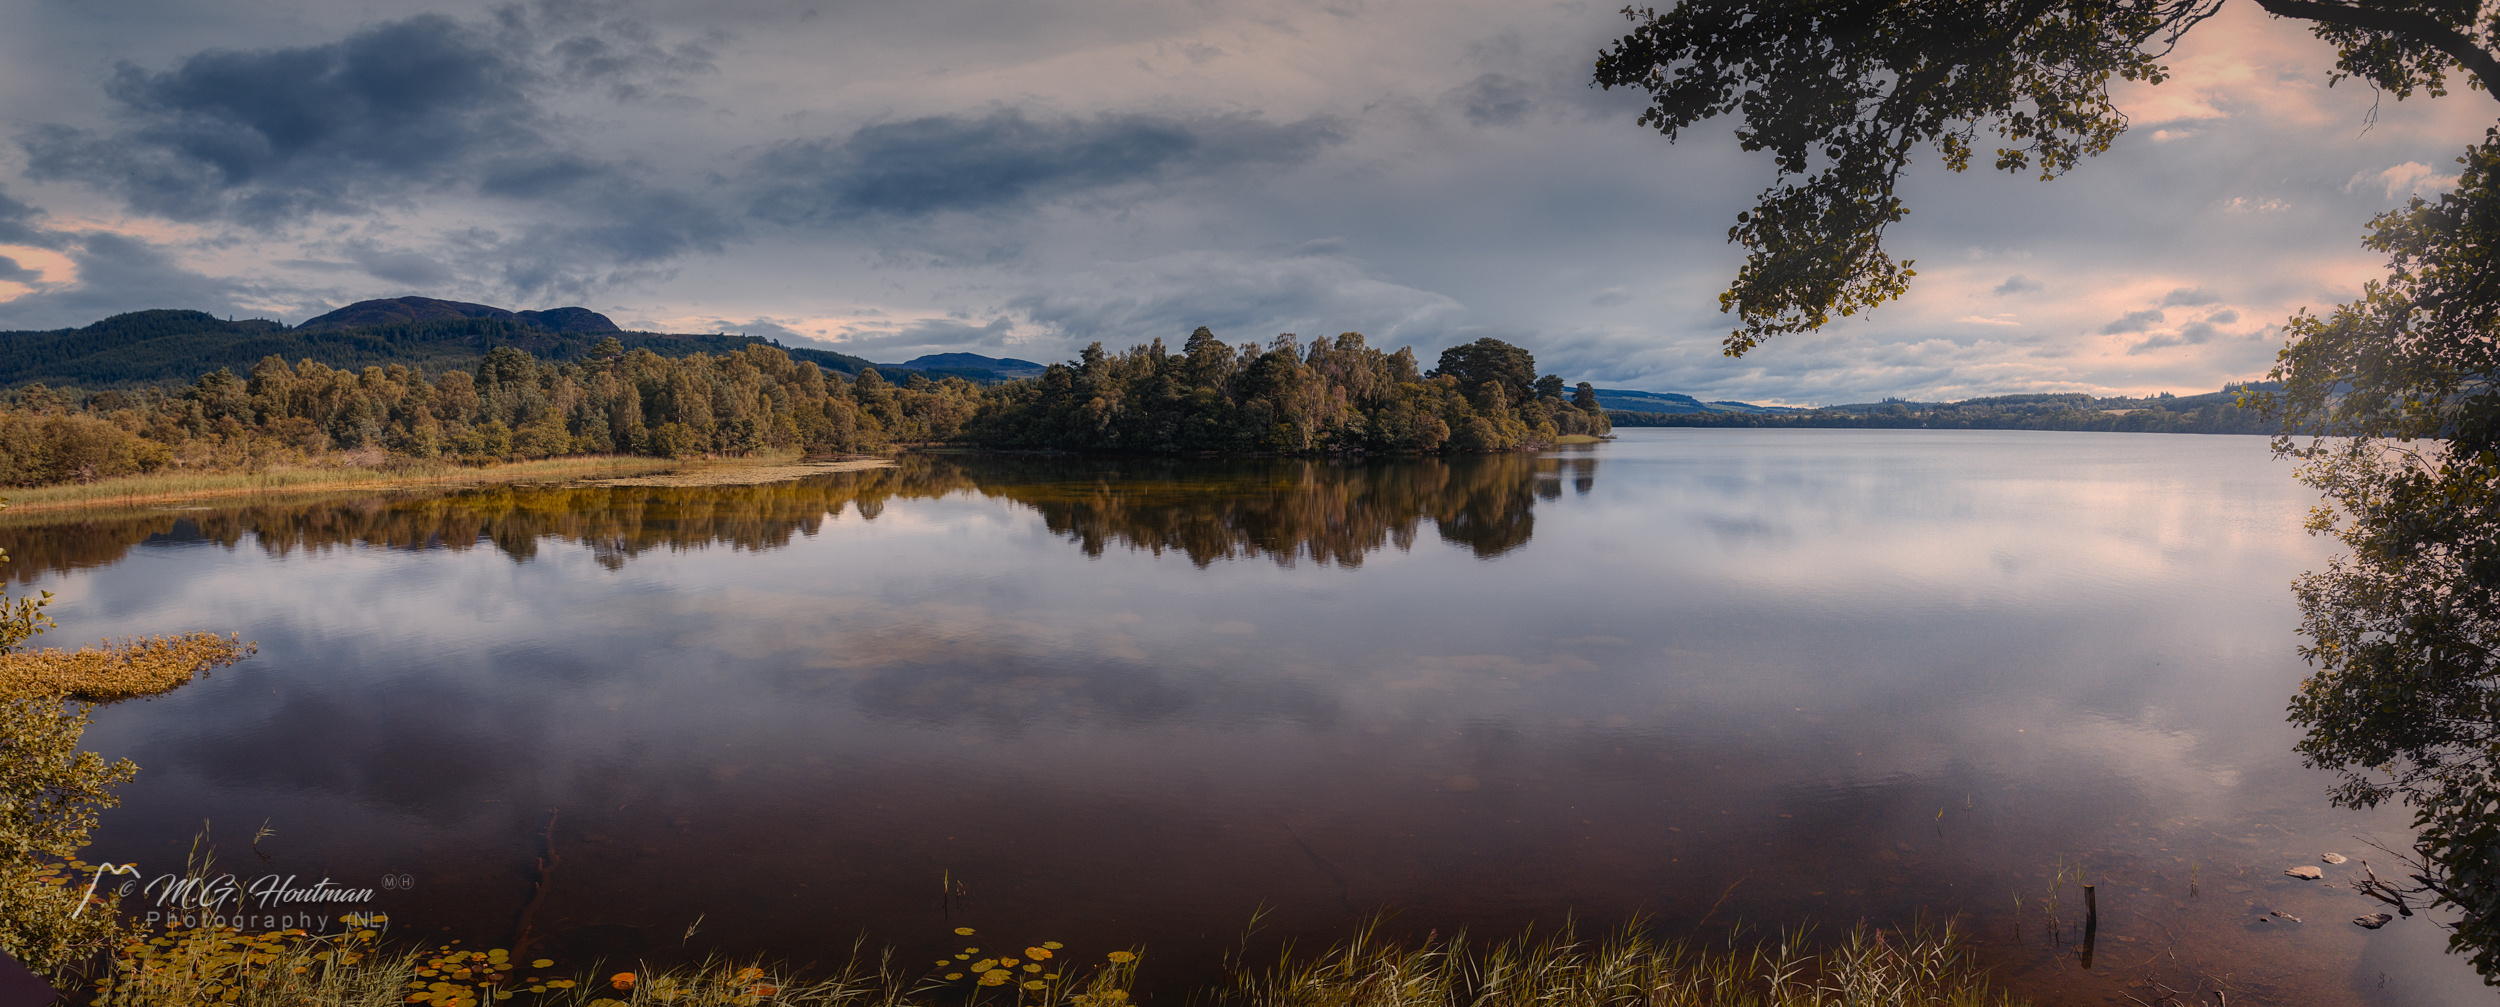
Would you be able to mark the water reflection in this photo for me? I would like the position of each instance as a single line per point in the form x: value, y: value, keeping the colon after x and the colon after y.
x: 1329, y: 512
x: 1749, y: 676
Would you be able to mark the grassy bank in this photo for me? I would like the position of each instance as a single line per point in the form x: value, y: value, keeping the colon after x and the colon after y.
x: 179, y: 487
x: 168, y: 489
x: 1870, y: 968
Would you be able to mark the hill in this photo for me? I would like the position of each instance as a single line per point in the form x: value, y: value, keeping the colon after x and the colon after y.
x: 1003, y: 367
x: 1670, y: 403
x: 410, y: 310
x: 168, y: 345
x: 2208, y: 413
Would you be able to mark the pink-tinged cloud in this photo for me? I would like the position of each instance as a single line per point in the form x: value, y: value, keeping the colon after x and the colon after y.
x: 25, y: 269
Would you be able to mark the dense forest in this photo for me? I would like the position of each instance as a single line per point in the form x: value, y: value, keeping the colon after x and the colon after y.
x: 1337, y: 397
x: 511, y: 406
x: 2210, y: 413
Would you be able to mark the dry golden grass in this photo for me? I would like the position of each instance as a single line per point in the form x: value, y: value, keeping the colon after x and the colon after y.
x: 180, y: 487
x: 1920, y: 967
x: 747, y: 473
x: 223, y: 965
x: 111, y: 671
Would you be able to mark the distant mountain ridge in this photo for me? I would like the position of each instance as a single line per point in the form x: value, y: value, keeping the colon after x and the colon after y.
x: 1005, y: 366
x: 410, y: 310
x: 173, y: 345
x: 1670, y: 403
x: 2206, y: 413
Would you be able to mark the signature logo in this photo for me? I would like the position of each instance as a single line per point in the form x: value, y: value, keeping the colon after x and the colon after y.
x: 269, y: 901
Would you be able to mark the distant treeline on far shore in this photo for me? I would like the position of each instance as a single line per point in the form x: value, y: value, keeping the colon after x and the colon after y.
x: 2209, y: 413
x: 1333, y: 396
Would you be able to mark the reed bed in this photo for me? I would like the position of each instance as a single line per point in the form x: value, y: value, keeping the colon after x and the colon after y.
x: 220, y: 965
x: 1921, y: 967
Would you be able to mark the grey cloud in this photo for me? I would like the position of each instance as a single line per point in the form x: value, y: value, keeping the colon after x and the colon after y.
x: 635, y: 232
x: 765, y: 327
x: 944, y: 333
x: 117, y: 274
x: 1493, y: 99
x: 1006, y: 161
x: 1241, y: 298
x: 629, y: 67
x: 2191, y: 334
x: 2188, y: 297
x: 648, y: 225
x: 2133, y: 321
x: 11, y: 272
x: 269, y: 133
x: 539, y: 177
x: 428, y: 103
x: 406, y: 268
x: 18, y: 227
x: 2223, y: 317
x: 2018, y: 284
x: 598, y: 44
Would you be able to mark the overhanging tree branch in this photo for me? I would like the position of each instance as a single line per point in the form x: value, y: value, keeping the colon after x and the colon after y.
x: 2474, y: 58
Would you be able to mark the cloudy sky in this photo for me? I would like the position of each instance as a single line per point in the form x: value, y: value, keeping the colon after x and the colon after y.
x: 1019, y: 179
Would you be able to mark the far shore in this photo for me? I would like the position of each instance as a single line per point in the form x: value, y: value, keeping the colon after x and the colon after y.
x: 174, y: 489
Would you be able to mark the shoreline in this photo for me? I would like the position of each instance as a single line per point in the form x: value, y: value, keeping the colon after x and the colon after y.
x: 160, y: 492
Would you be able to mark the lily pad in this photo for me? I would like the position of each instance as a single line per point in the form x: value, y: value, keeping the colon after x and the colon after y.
x: 2332, y: 858
x: 2372, y: 921
x: 2304, y: 872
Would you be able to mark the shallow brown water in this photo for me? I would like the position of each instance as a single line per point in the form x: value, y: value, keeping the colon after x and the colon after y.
x: 1708, y: 677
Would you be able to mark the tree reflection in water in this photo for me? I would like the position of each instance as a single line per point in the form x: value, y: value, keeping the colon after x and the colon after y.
x: 1285, y: 510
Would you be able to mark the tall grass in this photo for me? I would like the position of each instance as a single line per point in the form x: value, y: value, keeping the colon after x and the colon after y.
x: 1919, y: 967
x: 173, y: 487
x: 213, y: 965
x: 1926, y: 967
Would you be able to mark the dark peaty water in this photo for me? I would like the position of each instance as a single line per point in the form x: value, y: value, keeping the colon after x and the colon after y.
x: 1710, y: 677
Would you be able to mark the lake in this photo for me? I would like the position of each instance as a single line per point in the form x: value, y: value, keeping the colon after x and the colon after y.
x: 1709, y: 678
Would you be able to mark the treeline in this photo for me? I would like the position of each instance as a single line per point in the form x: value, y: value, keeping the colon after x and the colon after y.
x: 1335, y: 396
x: 2211, y: 413
x: 1338, y: 397
x: 512, y: 406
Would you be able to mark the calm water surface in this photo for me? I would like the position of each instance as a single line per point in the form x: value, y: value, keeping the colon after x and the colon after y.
x: 1710, y: 677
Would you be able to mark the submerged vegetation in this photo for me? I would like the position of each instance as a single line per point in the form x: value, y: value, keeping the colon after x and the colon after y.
x: 1338, y: 397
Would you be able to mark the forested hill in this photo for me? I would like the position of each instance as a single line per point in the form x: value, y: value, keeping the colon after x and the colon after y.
x: 2209, y: 413
x: 150, y: 347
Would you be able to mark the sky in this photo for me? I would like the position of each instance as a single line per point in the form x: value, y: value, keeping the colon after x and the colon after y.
x: 893, y: 178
